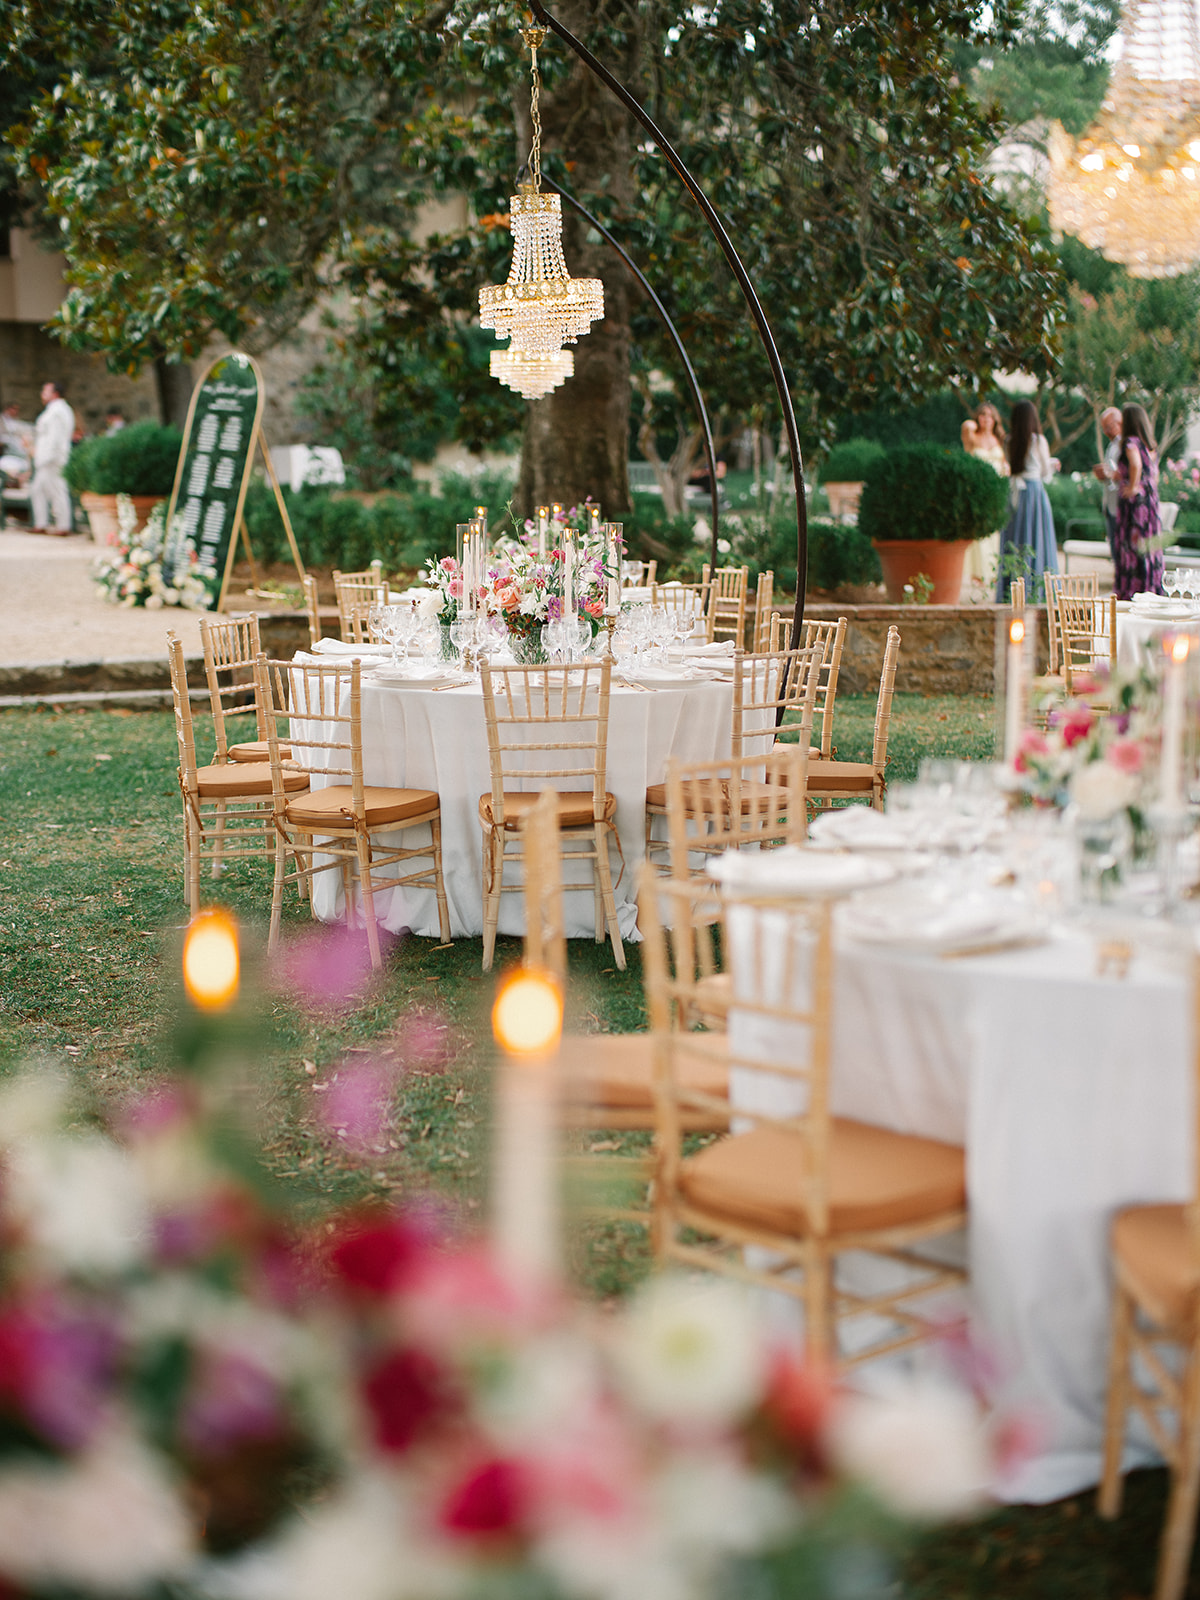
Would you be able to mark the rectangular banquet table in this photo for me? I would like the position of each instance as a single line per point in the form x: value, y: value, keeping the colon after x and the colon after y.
x: 417, y: 737
x: 1073, y: 1095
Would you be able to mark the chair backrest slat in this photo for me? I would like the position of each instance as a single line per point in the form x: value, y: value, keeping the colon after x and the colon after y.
x: 760, y: 628
x: 830, y: 638
x: 359, y: 588
x: 883, y: 706
x: 729, y: 805
x: 317, y: 709
x: 768, y: 688
x: 1068, y: 587
x: 230, y: 647
x: 185, y: 732
x: 312, y: 607
x: 525, y: 700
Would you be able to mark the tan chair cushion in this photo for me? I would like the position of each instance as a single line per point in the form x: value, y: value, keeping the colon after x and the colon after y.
x: 333, y: 807
x: 574, y: 808
x: 846, y: 777
x: 1158, y: 1260
x: 615, y: 1072
x: 656, y: 795
x: 877, y: 1179
x: 234, y: 780
x: 257, y: 750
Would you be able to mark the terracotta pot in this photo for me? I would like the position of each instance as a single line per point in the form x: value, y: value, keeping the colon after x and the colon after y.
x: 102, y: 513
x: 843, y: 500
x: 939, y: 560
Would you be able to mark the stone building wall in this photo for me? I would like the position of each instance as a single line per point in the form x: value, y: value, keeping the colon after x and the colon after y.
x: 943, y: 649
x: 29, y: 356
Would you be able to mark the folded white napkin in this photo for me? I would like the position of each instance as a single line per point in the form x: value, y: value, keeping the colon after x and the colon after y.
x: 860, y: 828
x: 723, y: 647
x: 917, y: 922
x: 795, y: 871
x: 339, y: 647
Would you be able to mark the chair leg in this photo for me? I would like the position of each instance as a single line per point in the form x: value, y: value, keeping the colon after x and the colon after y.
x: 281, y: 854
x: 1108, y: 1497
x: 368, y: 893
x: 493, y: 879
x: 191, y: 844
x: 348, y: 890
x: 218, y: 839
x: 606, y: 889
x: 435, y: 828
x: 1179, y: 1531
x: 820, y: 1339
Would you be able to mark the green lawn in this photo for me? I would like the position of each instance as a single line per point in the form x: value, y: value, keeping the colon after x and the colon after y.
x: 90, y: 918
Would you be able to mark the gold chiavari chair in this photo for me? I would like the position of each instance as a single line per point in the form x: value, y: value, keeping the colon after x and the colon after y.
x: 356, y: 622
x: 726, y: 613
x: 322, y: 707
x: 1016, y: 595
x: 799, y: 1183
x: 607, y: 1078
x: 313, y: 609
x: 1087, y: 639
x: 227, y: 805
x: 768, y: 691
x: 689, y: 598
x: 830, y: 639
x: 1154, y: 1362
x: 861, y: 780
x: 230, y: 651
x: 1073, y: 586
x: 761, y: 627
x: 548, y: 725
x: 359, y: 588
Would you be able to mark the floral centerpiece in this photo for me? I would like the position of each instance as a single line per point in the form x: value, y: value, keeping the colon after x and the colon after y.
x: 202, y: 1393
x: 130, y: 573
x: 1101, y: 760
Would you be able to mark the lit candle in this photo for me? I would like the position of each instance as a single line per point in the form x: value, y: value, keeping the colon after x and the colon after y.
x: 568, y: 577
x: 1014, y: 689
x: 481, y: 519
x: 543, y: 517
x: 1174, y: 690
x: 594, y: 512
x: 613, y: 602
x: 556, y: 513
x: 527, y: 1024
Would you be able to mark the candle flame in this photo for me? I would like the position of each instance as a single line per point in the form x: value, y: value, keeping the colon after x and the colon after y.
x: 1178, y: 647
x: 211, y: 963
x: 1016, y: 630
x: 527, y: 1016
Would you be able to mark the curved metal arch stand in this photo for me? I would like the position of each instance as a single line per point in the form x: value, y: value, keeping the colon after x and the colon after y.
x: 735, y: 265
x: 673, y: 333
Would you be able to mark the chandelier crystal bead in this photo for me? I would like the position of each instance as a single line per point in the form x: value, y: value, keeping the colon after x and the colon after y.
x: 1130, y: 187
x: 532, y: 373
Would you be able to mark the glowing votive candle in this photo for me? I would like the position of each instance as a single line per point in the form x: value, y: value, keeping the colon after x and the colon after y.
x: 1174, y: 693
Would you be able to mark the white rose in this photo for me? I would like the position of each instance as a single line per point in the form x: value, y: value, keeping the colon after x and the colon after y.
x: 691, y: 1351
x: 922, y: 1448
x: 1100, y: 790
x: 80, y: 1199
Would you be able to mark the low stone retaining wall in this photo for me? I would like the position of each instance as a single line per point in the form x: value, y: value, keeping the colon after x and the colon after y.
x: 943, y: 649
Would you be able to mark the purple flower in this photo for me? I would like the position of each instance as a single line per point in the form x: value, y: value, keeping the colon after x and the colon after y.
x: 327, y: 966
x: 554, y: 608
x: 357, y: 1105
x: 231, y: 1398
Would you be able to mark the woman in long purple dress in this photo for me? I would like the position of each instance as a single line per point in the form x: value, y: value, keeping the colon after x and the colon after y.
x: 1136, y: 557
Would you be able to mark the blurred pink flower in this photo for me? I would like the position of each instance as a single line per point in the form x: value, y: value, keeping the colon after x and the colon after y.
x: 1076, y: 723
x: 1032, y: 743
x: 464, y: 1293
x: 358, y: 1101
x: 1126, y: 755
x: 490, y: 1501
x: 229, y: 1399
x: 325, y: 966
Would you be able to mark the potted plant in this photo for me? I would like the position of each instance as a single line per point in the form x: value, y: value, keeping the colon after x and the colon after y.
x: 921, y: 507
x: 139, y: 461
x: 844, y: 472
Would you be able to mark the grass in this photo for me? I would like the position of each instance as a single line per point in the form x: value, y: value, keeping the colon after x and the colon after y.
x: 90, y: 918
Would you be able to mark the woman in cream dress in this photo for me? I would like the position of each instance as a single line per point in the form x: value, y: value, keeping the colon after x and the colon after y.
x: 983, y: 436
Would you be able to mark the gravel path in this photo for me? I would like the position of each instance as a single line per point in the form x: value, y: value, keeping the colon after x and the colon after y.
x: 51, y: 611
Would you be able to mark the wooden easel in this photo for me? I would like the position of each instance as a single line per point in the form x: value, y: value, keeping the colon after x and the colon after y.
x: 256, y: 591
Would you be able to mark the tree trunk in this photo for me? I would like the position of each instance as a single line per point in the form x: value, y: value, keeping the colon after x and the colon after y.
x: 174, y: 381
x: 576, y: 440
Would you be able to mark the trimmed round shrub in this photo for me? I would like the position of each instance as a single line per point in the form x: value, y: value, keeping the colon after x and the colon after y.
x: 850, y: 462
x: 139, y: 459
x: 923, y: 491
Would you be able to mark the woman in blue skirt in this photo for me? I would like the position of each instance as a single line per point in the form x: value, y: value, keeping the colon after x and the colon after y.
x: 1027, y: 547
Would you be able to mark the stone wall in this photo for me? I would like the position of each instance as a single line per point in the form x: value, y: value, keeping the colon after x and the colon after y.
x: 29, y: 357
x: 943, y: 649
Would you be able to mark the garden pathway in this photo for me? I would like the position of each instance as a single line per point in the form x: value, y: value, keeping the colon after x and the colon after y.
x: 51, y: 611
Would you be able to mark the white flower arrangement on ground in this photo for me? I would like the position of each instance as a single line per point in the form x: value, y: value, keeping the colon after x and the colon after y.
x: 131, y: 572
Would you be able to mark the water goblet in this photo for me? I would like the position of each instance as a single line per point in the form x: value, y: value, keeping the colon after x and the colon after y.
x: 461, y: 630
x: 375, y: 631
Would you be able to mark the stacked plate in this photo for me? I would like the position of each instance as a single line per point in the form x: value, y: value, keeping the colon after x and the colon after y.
x: 1162, y: 608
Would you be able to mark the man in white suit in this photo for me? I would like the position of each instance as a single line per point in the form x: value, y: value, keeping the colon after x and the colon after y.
x: 50, y: 499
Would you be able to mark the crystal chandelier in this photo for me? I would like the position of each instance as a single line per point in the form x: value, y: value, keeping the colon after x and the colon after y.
x: 1130, y: 187
x: 532, y: 373
x: 541, y: 307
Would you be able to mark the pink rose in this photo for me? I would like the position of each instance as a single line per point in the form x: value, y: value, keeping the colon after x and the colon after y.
x: 1032, y: 743
x: 455, y: 588
x: 1076, y: 724
x: 448, y: 564
x: 1126, y: 755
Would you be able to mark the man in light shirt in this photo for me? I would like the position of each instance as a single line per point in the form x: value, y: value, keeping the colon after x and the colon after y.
x: 49, y: 496
x: 1106, y: 470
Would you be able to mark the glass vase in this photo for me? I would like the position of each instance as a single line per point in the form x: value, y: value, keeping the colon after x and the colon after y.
x: 1102, y: 854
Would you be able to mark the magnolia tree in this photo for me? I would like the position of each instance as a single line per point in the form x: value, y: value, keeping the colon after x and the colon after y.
x: 216, y: 170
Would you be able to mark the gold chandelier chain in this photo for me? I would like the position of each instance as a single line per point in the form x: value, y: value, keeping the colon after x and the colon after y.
x: 535, y: 114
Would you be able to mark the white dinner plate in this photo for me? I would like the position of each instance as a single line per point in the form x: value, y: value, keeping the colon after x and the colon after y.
x: 798, y: 871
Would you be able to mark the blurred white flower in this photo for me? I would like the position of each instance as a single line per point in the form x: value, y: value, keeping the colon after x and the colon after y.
x: 712, y: 1502
x: 430, y: 605
x: 689, y: 1352
x: 80, y: 1201
x: 32, y: 1103
x: 922, y: 1448
x: 111, y: 1522
x: 1100, y: 790
x: 547, y: 1381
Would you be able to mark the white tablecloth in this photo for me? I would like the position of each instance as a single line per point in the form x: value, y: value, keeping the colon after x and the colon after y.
x: 1073, y: 1096
x: 1139, y: 638
x: 414, y: 737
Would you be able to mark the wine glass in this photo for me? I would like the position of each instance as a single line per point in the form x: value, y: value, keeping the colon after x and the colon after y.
x: 375, y: 622
x: 462, y: 630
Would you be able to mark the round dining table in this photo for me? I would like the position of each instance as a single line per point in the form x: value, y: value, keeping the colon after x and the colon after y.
x: 423, y: 734
x: 1068, y: 1079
